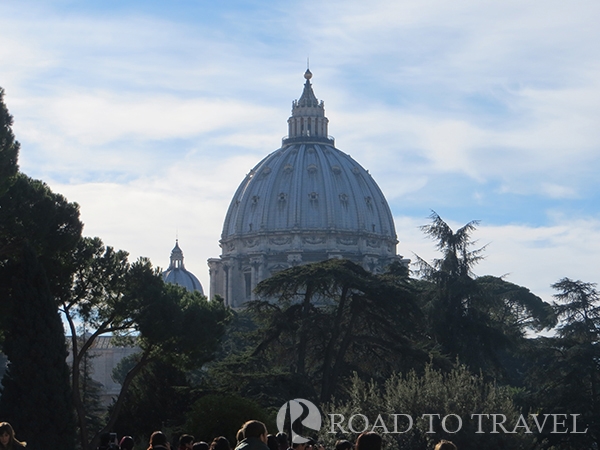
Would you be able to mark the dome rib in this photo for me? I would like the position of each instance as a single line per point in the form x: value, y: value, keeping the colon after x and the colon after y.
x: 312, y: 193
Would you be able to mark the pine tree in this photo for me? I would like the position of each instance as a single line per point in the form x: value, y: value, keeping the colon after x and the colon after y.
x: 36, y: 398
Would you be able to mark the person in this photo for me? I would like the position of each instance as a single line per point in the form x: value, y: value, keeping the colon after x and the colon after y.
x: 186, y: 442
x: 200, y: 445
x: 282, y: 440
x: 239, y: 436
x: 159, y: 441
x: 220, y: 443
x: 297, y: 445
x: 7, y: 437
x: 369, y: 440
x: 126, y: 443
x: 255, y: 436
x: 445, y: 445
x: 343, y: 444
x: 272, y: 442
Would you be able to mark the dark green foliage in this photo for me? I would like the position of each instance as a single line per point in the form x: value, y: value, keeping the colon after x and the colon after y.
x: 565, y: 376
x: 38, y: 230
x: 479, y: 320
x: 131, y: 302
x: 9, y: 148
x: 332, y: 317
x: 36, y: 397
x: 47, y: 221
x: 223, y: 415
x: 158, y: 398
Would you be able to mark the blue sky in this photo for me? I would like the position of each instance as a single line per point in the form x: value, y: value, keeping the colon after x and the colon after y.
x: 149, y: 114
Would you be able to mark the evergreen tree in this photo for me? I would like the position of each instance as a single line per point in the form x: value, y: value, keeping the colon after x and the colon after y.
x: 38, y: 230
x: 9, y: 148
x: 333, y: 317
x: 36, y: 397
x: 477, y: 319
x: 159, y: 397
x: 565, y: 376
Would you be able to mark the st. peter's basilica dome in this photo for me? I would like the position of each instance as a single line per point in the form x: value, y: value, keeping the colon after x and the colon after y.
x: 305, y: 202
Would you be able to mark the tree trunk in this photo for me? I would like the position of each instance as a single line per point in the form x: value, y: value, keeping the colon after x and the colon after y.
x: 303, y: 331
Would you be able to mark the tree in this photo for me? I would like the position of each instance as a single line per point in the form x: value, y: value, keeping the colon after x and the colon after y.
x: 565, y: 376
x: 132, y: 303
x: 38, y: 230
x: 457, y: 392
x: 333, y: 317
x: 158, y: 398
x: 222, y: 414
x: 474, y: 318
x: 36, y: 396
x: 47, y: 222
x: 9, y: 148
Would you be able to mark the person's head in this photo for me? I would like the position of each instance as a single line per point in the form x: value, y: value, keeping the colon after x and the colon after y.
x: 186, y: 441
x: 282, y: 440
x: 158, y: 438
x: 343, y: 445
x: 445, y: 445
x: 368, y: 440
x: 239, y: 436
x: 220, y: 443
x: 200, y: 446
x: 272, y: 442
x: 7, y: 436
x: 126, y: 443
x: 298, y: 443
x: 255, y: 429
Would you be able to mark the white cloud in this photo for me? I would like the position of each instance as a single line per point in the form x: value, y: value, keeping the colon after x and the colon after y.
x: 150, y: 122
x: 102, y: 117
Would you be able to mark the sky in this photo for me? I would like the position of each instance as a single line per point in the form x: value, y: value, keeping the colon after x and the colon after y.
x: 149, y: 114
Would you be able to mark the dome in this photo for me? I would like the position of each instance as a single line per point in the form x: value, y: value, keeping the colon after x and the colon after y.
x: 177, y: 274
x: 305, y: 202
x: 308, y: 187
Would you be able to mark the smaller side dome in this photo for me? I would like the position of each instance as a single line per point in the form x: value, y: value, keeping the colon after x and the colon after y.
x: 177, y: 274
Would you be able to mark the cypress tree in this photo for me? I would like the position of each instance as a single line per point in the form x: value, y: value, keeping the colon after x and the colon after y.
x: 36, y: 398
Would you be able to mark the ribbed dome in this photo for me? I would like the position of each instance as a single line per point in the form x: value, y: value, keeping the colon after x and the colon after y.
x: 308, y: 187
x: 177, y: 274
x: 303, y: 203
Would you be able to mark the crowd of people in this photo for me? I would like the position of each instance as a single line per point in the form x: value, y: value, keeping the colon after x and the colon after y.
x: 254, y: 436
